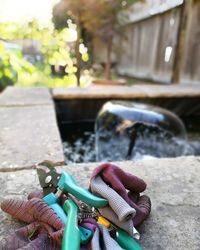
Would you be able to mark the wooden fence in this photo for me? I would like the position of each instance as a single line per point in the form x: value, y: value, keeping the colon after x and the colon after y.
x: 162, y: 43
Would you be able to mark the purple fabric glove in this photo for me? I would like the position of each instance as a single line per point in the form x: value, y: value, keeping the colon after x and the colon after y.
x: 34, y: 236
x: 44, y: 229
x: 121, y: 181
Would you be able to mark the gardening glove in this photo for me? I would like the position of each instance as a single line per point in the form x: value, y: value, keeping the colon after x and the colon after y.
x: 45, y: 228
x: 120, y: 182
x: 101, y: 238
x: 127, y: 226
x: 103, y: 241
x: 90, y: 224
x: 32, y: 236
x: 123, y: 210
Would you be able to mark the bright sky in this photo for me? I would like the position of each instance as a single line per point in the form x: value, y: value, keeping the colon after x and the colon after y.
x: 25, y: 10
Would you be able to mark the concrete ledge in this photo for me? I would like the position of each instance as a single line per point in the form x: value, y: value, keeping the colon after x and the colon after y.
x: 29, y: 132
x: 25, y: 96
x: 172, y: 184
x: 127, y: 92
x: 28, y: 135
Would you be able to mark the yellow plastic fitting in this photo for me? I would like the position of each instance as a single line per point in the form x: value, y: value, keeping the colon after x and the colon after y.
x: 104, y: 221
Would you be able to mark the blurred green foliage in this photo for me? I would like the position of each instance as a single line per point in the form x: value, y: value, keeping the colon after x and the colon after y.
x: 11, y: 65
x: 42, y: 77
x: 57, y: 50
x: 55, y: 46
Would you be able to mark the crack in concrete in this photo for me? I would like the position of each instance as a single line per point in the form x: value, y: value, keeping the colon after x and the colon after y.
x: 29, y: 167
x: 24, y: 105
x: 180, y: 205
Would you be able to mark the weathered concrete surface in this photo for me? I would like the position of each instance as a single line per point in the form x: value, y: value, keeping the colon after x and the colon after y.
x: 172, y: 184
x: 28, y: 128
x: 25, y: 96
x: 127, y: 92
x: 28, y: 135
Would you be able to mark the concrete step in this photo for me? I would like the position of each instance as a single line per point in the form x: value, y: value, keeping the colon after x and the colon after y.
x: 25, y: 96
x: 172, y: 184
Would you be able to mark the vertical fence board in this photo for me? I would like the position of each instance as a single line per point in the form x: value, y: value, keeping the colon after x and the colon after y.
x: 124, y: 48
x: 144, y: 57
x: 191, y: 65
x: 151, y: 51
x: 148, y: 46
x: 167, y: 45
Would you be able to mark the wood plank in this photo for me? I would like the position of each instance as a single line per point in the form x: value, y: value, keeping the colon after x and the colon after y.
x: 167, y: 45
x: 154, y: 43
x: 191, y: 67
x: 126, y: 92
x: 147, y: 9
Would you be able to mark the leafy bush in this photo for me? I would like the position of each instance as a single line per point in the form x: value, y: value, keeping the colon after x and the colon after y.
x: 57, y: 65
x: 11, y: 64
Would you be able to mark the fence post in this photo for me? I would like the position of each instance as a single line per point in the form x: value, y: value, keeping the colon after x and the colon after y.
x: 181, y: 41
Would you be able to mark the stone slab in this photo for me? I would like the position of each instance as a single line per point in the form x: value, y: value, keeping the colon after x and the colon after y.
x: 127, y: 92
x: 25, y: 96
x: 28, y: 135
x: 172, y: 184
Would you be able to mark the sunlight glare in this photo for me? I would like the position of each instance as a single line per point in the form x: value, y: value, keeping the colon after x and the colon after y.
x: 24, y: 10
x: 168, y: 52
